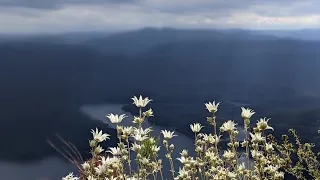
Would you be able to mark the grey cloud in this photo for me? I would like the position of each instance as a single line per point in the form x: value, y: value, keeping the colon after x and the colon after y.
x: 278, y: 8
x: 27, y: 3
x: 66, y: 15
x: 226, y: 7
x: 217, y: 7
x: 53, y: 4
x: 214, y: 6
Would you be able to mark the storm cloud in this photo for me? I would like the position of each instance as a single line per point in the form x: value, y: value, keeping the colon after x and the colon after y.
x: 54, y: 4
x: 86, y: 15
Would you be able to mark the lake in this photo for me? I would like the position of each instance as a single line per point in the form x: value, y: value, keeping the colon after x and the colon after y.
x: 54, y: 167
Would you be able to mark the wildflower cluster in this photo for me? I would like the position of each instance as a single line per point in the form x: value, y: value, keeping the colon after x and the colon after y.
x: 258, y: 156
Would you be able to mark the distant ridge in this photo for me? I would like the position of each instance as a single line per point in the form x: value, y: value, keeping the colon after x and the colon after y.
x: 139, y: 40
x: 302, y: 34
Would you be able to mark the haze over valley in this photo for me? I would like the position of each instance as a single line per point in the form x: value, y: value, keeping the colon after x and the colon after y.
x: 50, y: 72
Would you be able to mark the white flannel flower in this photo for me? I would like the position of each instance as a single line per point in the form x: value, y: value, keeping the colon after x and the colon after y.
x: 241, y: 167
x: 246, y: 113
x: 228, y: 126
x: 183, y: 160
x: 263, y: 124
x: 167, y: 134
x: 101, y: 169
x: 111, y: 178
x: 196, y: 127
x: 115, y: 118
x: 232, y: 175
x: 98, y: 150
x: 279, y: 175
x: 257, y: 137
x: 184, y: 174
x: 212, y: 107
x: 228, y: 154
x: 217, y: 138
x: 144, y: 161
x: 148, y: 113
x: 140, y: 137
x: 256, y: 154
x: 155, y: 148
x: 99, y: 136
x: 141, y: 102
x: 85, y: 166
x: 70, y: 177
x: 137, y: 120
x: 135, y: 147
x: 127, y: 130
x: 131, y: 178
x: 142, y: 131
x: 210, y: 155
x: 271, y: 168
x: 108, y: 161
x: 90, y: 177
x: 269, y: 147
x: 115, y: 151
x: 184, y: 153
x: 210, y: 139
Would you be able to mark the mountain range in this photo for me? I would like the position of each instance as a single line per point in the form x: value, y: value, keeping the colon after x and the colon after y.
x: 46, y: 79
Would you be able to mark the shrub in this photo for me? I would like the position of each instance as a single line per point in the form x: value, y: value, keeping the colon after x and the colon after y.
x: 258, y: 156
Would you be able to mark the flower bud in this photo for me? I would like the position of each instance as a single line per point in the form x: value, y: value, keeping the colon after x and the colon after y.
x: 145, y: 161
x: 168, y: 156
x: 143, y: 171
x: 139, y: 156
x: 269, y: 147
x: 86, y: 166
x: 198, y: 149
x: 211, y: 120
x: 137, y: 120
x: 235, y: 133
x: 109, y: 171
x: 255, y: 145
x: 244, y: 143
x: 184, y: 153
x: 92, y: 143
x: 125, y: 157
x: 121, y: 145
x: 234, y: 161
x: 125, y: 137
x: 98, y: 150
x: 119, y: 129
x: 124, y: 151
x: 171, y: 146
x: 236, y: 144
x: 165, y: 142
x: 152, y: 141
x: 148, y: 113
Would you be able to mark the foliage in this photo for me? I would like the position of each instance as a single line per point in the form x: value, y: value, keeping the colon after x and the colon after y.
x: 258, y: 156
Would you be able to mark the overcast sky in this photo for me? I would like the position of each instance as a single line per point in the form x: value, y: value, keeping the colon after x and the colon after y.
x: 87, y: 15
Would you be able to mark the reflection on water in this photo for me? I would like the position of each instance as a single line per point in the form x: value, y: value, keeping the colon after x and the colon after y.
x: 181, y: 142
x: 55, y: 168
x: 47, y: 169
x: 98, y: 112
